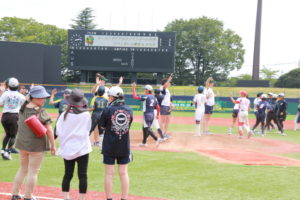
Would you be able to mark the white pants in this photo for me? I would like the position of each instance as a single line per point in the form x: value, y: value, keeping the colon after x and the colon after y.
x: 243, y: 116
x: 199, y: 114
x: 155, y: 121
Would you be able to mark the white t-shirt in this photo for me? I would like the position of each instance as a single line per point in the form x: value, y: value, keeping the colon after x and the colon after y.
x: 200, y: 99
x: 167, y: 97
x: 211, y: 99
x: 73, y: 134
x: 244, y: 103
x: 236, y: 106
x: 255, y: 102
x: 12, y: 101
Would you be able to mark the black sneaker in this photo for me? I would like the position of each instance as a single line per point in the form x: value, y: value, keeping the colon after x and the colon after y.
x: 16, y: 197
x: 13, y: 150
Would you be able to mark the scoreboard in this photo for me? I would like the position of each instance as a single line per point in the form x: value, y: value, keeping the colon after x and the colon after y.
x: 127, y: 51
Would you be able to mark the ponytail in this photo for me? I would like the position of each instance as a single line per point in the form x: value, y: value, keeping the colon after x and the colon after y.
x: 67, y: 111
x: 25, y: 104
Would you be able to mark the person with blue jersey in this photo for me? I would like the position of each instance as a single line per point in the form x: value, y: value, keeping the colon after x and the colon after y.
x: 156, y: 125
x: 281, y: 112
x: 61, y: 104
x: 98, y: 104
x: 262, y: 107
x: 271, y: 113
x: 149, y: 105
x: 116, y: 119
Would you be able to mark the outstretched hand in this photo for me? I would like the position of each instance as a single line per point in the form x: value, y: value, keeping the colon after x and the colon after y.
x: 54, y: 92
x: 133, y: 85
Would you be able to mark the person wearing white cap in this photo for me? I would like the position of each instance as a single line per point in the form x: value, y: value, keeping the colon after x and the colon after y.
x: 281, y: 112
x: 32, y: 147
x: 116, y: 120
x: 149, y: 105
x: 11, y: 100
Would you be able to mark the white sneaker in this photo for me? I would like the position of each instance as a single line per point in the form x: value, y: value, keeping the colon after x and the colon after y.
x: 158, y: 141
x: 7, y: 156
x: 142, y: 145
x: 283, y: 134
x: 230, y: 131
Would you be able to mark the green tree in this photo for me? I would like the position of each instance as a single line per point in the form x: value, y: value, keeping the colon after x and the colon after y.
x: 29, y: 30
x: 204, y: 49
x: 289, y: 80
x: 84, y: 20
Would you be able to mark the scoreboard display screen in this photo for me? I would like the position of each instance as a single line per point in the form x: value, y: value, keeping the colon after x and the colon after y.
x: 128, y: 51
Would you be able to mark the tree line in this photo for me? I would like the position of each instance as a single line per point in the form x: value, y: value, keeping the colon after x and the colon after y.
x: 204, y: 48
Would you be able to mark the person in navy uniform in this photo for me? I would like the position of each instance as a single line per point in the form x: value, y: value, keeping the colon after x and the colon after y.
x: 116, y: 120
x: 61, y: 104
x: 270, y: 114
x: 281, y: 112
x: 149, y: 105
x: 262, y: 107
x: 98, y: 103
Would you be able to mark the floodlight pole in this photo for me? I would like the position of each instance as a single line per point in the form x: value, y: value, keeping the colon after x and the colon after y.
x: 256, y: 57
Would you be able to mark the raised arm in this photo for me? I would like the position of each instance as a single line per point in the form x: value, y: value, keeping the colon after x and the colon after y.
x: 53, y: 93
x: 134, y: 95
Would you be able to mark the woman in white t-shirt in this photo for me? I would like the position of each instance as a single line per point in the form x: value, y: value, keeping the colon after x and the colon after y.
x: 199, y: 101
x: 73, y: 128
x: 210, y: 102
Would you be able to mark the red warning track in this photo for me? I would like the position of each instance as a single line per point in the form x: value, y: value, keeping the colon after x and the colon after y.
x: 54, y: 193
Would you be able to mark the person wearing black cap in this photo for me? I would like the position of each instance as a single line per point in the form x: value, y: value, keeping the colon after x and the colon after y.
x: 32, y: 148
x: 12, y: 101
x: 155, y: 123
x: 261, y: 114
x: 72, y: 128
x: 271, y: 112
x: 116, y: 120
x: 98, y: 103
x: 281, y: 112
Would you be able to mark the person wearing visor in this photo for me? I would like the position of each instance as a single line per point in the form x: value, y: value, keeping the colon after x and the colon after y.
x: 73, y: 128
x: 11, y: 100
x: 32, y: 148
x: 116, y: 119
x: 149, y: 105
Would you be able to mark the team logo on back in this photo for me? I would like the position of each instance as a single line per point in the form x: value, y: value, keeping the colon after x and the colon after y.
x: 120, y: 122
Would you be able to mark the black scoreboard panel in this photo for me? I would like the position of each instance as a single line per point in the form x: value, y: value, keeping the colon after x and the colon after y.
x: 121, y: 51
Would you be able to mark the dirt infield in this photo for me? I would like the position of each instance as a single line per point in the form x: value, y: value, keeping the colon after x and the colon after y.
x: 54, y: 193
x: 224, y: 148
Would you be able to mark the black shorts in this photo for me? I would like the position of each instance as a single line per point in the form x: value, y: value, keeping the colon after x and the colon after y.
x: 165, y: 110
x: 209, y: 109
x: 235, y: 113
x: 123, y: 160
x: 298, y: 119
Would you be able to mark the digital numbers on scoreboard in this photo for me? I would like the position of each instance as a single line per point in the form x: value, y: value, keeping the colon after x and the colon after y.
x: 129, y: 51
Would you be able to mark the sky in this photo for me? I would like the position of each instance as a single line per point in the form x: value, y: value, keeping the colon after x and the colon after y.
x: 280, y: 39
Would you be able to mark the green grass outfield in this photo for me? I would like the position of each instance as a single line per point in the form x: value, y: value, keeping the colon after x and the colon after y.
x: 182, y: 176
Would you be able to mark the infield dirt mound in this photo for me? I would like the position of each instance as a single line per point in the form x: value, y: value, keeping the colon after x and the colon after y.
x: 224, y: 148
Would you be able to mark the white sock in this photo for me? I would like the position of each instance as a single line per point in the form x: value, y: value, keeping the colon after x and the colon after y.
x: 247, y: 128
x: 198, y: 129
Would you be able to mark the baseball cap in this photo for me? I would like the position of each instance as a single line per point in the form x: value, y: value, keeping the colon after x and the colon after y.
x: 243, y: 93
x: 116, y: 91
x: 67, y: 91
x: 148, y: 87
x: 39, y: 92
x: 281, y: 94
x: 264, y: 96
x: 13, y: 82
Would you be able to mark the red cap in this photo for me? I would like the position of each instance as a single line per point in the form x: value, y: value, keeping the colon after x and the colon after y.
x: 243, y: 93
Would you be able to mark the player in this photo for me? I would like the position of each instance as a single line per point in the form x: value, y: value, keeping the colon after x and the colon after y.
x: 281, y: 112
x: 297, y: 118
x: 149, y: 105
x: 61, y: 104
x: 159, y: 99
x: 271, y: 112
x: 244, y: 108
x: 261, y: 114
x: 166, y: 105
x: 98, y: 103
x: 255, y: 103
x: 235, y: 113
x: 199, y: 102
x: 210, y: 102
